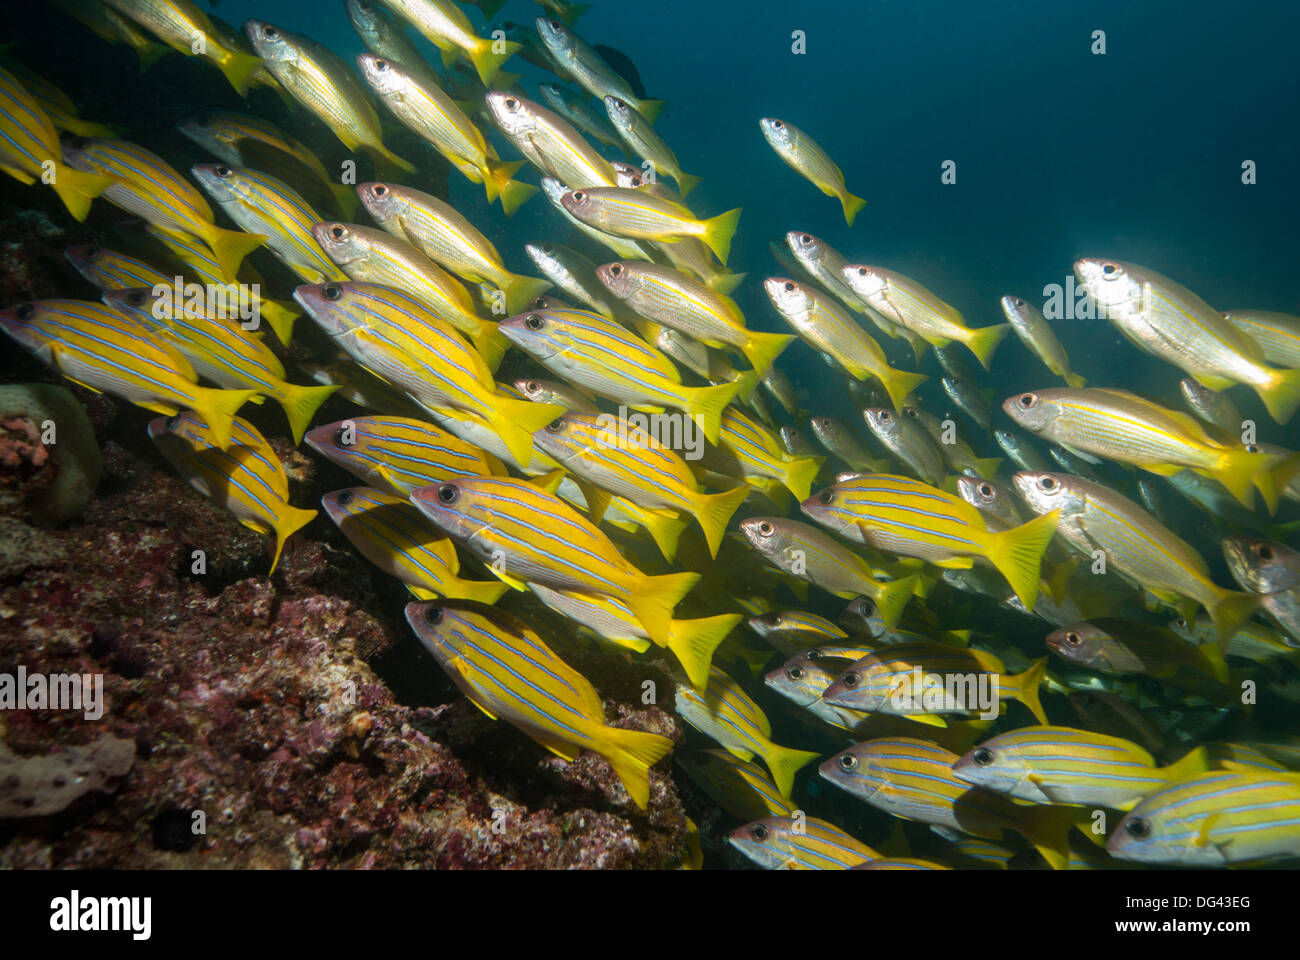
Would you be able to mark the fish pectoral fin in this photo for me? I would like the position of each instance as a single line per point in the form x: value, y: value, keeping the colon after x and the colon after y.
x: 483, y: 708
x: 1088, y: 457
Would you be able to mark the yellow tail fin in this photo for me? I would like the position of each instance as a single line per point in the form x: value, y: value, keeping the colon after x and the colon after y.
x: 487, y: 63
x: 852, y: 206
x: 899, y: 383
x: 279, y: 317
x: 1026, y: 686
x: 693, y: 642
x: 706, y: 405
x: 652, y: 601
x: 1076, y: 381
x: 724, y: 283
x: 515, y: 421
x: 480, y: 591
x: 892, y: 597
x: 783, y: 763
x: 239, y: 69
x: 632, y: 753
x: 800, y: 474
x: 77, y: 188
x: 300, y: 405
x: 984, y: 342
x: 289, y: 522
x: 713, y: 511
x: 1243, y: 472
x: 1193, y: 762
x: 686, y: 183
x: 388, y: 165
x: 1048, y: 829
x: 761, y: 349
x: 345, y: 198
x: 219, y: 408
x: 746, y: 383
x: 490, y: 343
x: 1230, y: 612
x: 151, y: 53
x: 520, y: 291
x: 230, y: 247
x: 718, y: 232
x: 651, y: 109
x: 665, y: 526
x: 1018, y: 555
x: 1282, y: 396
x: 1210, y: 662
x: 514, y: 195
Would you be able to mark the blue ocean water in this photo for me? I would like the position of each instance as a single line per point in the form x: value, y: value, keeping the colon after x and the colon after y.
x: 1060, y: 152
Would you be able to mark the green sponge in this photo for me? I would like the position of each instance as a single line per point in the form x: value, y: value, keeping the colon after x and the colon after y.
x: 74, y: 450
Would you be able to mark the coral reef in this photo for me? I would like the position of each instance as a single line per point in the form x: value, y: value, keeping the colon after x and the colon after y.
x: 40, y: 786
x: 295, y: 716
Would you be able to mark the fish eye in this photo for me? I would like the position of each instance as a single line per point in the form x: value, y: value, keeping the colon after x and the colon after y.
x: 448, y: 493
x: 850, y: 679
x: 510, y: 103
x: 381, y: 65
x: 795, y: 673
x: 636, y: 181
x: 615, y: 269
x: 379, y: 190
x: 331, y: 291
x: 777, y: 124
x: 541, y: 303
x: 1019, y: 302
x: 986, y: 491
x: 25, y: 311
x: 222, y: 170
x: 534, y: 321
x: 865, y: 608
x: 789, y: 287
x: 862, y: 271
x: 556, y: 26
x: 173, y: 421
x: 824, y: 421
x: 982, y: 756
x: 826, y: 496
x: 1073, y: 639
x: 1180, y: 621
x: 136, y: 298
x: 773, y: 618
x: 848, y: 761
x: 579, y: 196
x: 1137, y: 828
x: 1253, y: 448
x: 91, y: 253
x: 1264, y: 552
x: 345, y: 498
x: 338, y: 231
x: 1048, y: 484
x: 271, y: 33
x: 911, y: 412
x: 886, y: 416
x: 1028, y: 400
x: 555, y: 426
x: 339, y: 437
x: 1111, y: 270
x: 533, y: 386
x: 758, y: 832
x: 806, y: 239
x: 765, y: 528
x: 433, y: 615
